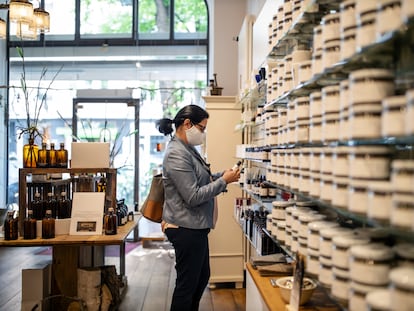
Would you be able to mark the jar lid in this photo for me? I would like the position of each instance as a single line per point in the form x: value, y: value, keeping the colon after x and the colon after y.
x: 321, y: 224
x: 349, y: 240
x: 373, y: 251
x: 402, y: 164
x: 282, y: 204
x: 379, y: 300
x: 343, y: 273
x: 364, y: 288
x: 308, y: 217
x: 371, y: 73
x: 334, y: 231
x: 290, y: 209
x: 394, y: 101
x: 405, y: 250
x: 403, y: 277
x: 380, y: 186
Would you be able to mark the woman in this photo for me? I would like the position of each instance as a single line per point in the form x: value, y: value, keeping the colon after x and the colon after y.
x: 188, y: 214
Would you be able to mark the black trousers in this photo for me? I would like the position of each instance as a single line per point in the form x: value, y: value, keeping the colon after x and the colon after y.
x: 192, y: 264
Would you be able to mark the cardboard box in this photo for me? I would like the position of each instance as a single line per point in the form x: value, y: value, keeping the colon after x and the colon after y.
x: 36, y: 284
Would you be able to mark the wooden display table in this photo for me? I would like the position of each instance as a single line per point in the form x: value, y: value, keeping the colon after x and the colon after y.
x: 271, y: 295
x: 66, y: 254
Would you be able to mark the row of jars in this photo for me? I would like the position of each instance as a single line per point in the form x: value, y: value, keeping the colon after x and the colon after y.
x: 337, y: 37
x: 364, y: 180
x: 350, y: 262
x: 362, y: 107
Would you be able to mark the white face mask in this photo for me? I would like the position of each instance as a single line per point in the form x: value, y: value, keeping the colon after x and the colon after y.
x: 194, y: 136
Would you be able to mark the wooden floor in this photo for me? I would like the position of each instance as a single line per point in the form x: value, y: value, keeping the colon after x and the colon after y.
x: 150, y: 275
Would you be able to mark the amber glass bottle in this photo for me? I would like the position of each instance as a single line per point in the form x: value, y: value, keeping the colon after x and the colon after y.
x: 51, y: 204
x: 64, y: 206
x: 48, y: 226
x: 42, y: 157
x: 62, y: 156
x: 11, y: 227
x: 29, y: 226
x: 110, y: 222
x: 52, y: 156
x: 37, y: 207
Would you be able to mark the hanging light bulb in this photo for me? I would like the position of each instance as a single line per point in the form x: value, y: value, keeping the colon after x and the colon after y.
x: 42, y: 20
x: 3, y: 28
x: 20, y: 11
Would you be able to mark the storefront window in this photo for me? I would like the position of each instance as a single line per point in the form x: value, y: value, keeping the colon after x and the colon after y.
x: 153, y: 19
x: 190, y: 19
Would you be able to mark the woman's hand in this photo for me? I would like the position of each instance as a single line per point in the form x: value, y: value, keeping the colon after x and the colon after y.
x: 231, y: 175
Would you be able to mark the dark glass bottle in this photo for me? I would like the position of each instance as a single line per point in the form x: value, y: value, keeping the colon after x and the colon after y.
x: 50, y: 204
x: 29, y: 226
x: 52, y: 156
x: 62, y: 156
x: 48, y: 226
x: 37, y: 207
x: 64, y: 206
x: 101, y: 185
x: 42, y: 161
x: 11, y: 231
x: 110, y: 222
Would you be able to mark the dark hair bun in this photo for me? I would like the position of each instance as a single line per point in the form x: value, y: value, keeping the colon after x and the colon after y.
x: 165, y: 126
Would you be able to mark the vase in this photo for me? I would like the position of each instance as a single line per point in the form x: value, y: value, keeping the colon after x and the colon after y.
x: 30, y: 153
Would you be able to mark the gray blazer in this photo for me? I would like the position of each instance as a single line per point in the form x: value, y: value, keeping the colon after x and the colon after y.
x: 189, y: 187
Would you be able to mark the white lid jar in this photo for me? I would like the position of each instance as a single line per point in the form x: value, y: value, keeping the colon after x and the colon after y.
x: 344, y: 129
x: 341, y: 246
x: 314, y: 159
x: 281, y: 232
x: 301, y: 106
x: 331, y: 53
x: 358, y: 293
x: 365, y: 120
x: 347, y: 9
x: 340, y: 192
x: 315, y: 108
x: 305, y: 71
x: 379, y: 201
x: 330, y: 99
x: 315, y: 129
x: 326, y: 160
x: 344, y: 94
x: 370, y: 85
x: 402, y: 175
x: 340, y: 158
x: 326, y: 187
x: 325, y: 276
x: 305, y: 219
x: 326, y: 236
x: 348, y: 42
x: 279, y: 207
x: 304, y: 182
x: 330, y: 27
x: 369, y: 162
x: 301, y: 131
x: 330, y: 127
x: 404, y: 255
x: 409, y: 116
x: 315, y: 185
x: 358, y: 196
x: 379, y: 300
x: 402, y: 211
x: 371, y: 263
x: 317, y: 65
x: 389, y: 13
x: 393, y: 116
x: 366, y: 32
x: 304, y: 159
x: 402, y: 289
x: 317, y: 37
x: 340, y: 285
x: 314, y: 228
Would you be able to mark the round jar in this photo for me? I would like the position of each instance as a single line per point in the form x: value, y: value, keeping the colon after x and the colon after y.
x: 371, y: 263
x: 314, y: 159
x: 344, y: 95
x: 326, y: 160
x: 304, y: 182
x: 326, y: 236
x: 365, y: 6
x: 302, y: 245
x: 304, y: 159
x: 379, y: 201
x: 358, y: 293
x: 340, y: 192
x: 340, y: 285
x: 358, y: 196
x: 331, y: 53
x: 317, y: 65
x: 325, y: 276
x: 365, y: 120
x: 312, y: 262
x: 404, y: 255
x: 288, y: 216
x: 317, y: 37
x: 347, y: 9
x: 326, y: 186
x: 330, y: 127
x: 344, y: 130
x: 278, y: 210
x: 315, y: 182
x: 402, y: 211
x: 330, y: 99
x: 314, y: 228
x: 409, y: 116
x: 341, y: 248
x: 379, y: 300
x: 301, y: 131
x: 402, y: 175
x: 348, y: 42
x: 315, y: 108
x: 281, y: 232
x: 369, y: 162
x: 340, y: 158
x: 389, y: 13
x: 301, y: 107
x: 366, y: 31
x: 305, y: 219
x: 370, y: 85
x: 315, y: 129
x: 304, y: 71
x: 330, y: 27
x: 393, y: 116
x: 402, y: 289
